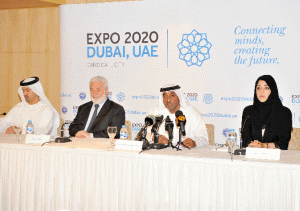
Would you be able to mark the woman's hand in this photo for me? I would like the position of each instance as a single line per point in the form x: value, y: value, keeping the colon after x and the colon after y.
x: 255, y: 143
x: 258, y: 144
x: 268, y: 145
x: 271, y: 145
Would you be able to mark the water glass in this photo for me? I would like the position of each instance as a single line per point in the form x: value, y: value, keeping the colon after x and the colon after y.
x: 112, y: 132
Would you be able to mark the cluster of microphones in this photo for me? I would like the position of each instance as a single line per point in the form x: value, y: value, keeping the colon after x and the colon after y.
x: 156, y: 122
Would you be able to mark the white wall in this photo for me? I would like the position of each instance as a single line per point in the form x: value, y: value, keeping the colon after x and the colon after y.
x: 134, y: 82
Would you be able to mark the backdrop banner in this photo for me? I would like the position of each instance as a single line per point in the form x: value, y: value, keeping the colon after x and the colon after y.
x: 215, y: 50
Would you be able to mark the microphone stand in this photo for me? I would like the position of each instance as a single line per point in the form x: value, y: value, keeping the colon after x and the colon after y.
x: 180, y: 121
x: 180, y: 141
x: 169, y: 127
x: 241, y: 151
x: 156, y: 145
x: 143, y: 138
x: 62, y: 139
x: 155, y: 133
x: 170, y: 144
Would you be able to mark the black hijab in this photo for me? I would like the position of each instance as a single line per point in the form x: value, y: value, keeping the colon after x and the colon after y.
x: 267, y: 108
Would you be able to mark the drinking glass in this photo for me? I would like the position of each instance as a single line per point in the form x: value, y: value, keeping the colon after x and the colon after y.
x: 18, y: 130
x: 112, y: 132
x: 225, y: 133
x: 231, y: 146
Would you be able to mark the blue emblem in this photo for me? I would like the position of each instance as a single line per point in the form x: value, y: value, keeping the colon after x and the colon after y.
x: 82, y: 95
x: 225, y: 131
x: 281, y: 99
x: 208, y: 98
x: 64, y: 110
x: 109, y: 96
x: 194, y: 48
x: 121, y: 97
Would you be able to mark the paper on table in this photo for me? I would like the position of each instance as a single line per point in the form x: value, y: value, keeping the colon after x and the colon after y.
x: 221, y: 149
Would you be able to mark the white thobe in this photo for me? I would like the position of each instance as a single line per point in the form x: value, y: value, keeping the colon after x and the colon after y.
x: 41, y: 115
x: 195, y: 128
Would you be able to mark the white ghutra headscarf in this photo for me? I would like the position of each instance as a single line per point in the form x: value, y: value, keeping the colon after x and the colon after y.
x: 175, y: 88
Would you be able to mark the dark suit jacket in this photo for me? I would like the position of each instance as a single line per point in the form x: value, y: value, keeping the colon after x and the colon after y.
x: 111, y: 114
x: 277, y: 131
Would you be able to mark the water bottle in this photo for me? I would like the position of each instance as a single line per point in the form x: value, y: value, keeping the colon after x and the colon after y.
x: 66, y: 130
x: 231, y: 141
x: 29, y: 127
x: 123, y: 132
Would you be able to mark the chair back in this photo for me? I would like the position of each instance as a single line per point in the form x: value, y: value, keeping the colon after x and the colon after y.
x: 128, y: 126
x: 294, y: 143
x: 211, y: 133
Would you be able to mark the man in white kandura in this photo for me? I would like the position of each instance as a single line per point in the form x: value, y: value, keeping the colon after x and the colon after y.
x: 35, y: 107
x: 172, y: 100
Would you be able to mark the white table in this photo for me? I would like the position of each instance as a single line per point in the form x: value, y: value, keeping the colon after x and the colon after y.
x: 82, y: 175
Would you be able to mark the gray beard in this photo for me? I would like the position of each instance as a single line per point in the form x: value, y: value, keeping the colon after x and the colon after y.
x: 101, y: 100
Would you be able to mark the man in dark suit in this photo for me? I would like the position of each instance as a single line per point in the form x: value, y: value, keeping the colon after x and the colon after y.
x: 94, y: 117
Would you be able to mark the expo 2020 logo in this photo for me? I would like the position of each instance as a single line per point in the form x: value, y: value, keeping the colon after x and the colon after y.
x: 194, y: 48
x: 82, y: 95
x: 225, y: 131
x: 281, y: 99
x: 208, y: 98
x: 64, y: 110
x: 121, y: 97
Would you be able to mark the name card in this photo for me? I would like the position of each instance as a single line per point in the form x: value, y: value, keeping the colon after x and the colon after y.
x: 263, y: 153
x: 36, y: 139
x: 129, y: 145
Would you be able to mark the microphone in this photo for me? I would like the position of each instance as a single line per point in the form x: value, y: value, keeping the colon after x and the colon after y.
x: 3, y: 114
x: 263, y: 131
x: 241, y: 138
x: 62, y: 139
x: 169, y: 128
x: 180, y: 121
x: 158, y: 120
x: 242, y: 151
x: 149, y: 120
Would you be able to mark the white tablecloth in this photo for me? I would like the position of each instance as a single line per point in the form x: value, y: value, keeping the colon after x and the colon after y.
x: 82, y: 175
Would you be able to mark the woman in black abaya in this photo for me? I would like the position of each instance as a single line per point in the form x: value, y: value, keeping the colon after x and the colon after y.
x: 269, y: 123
